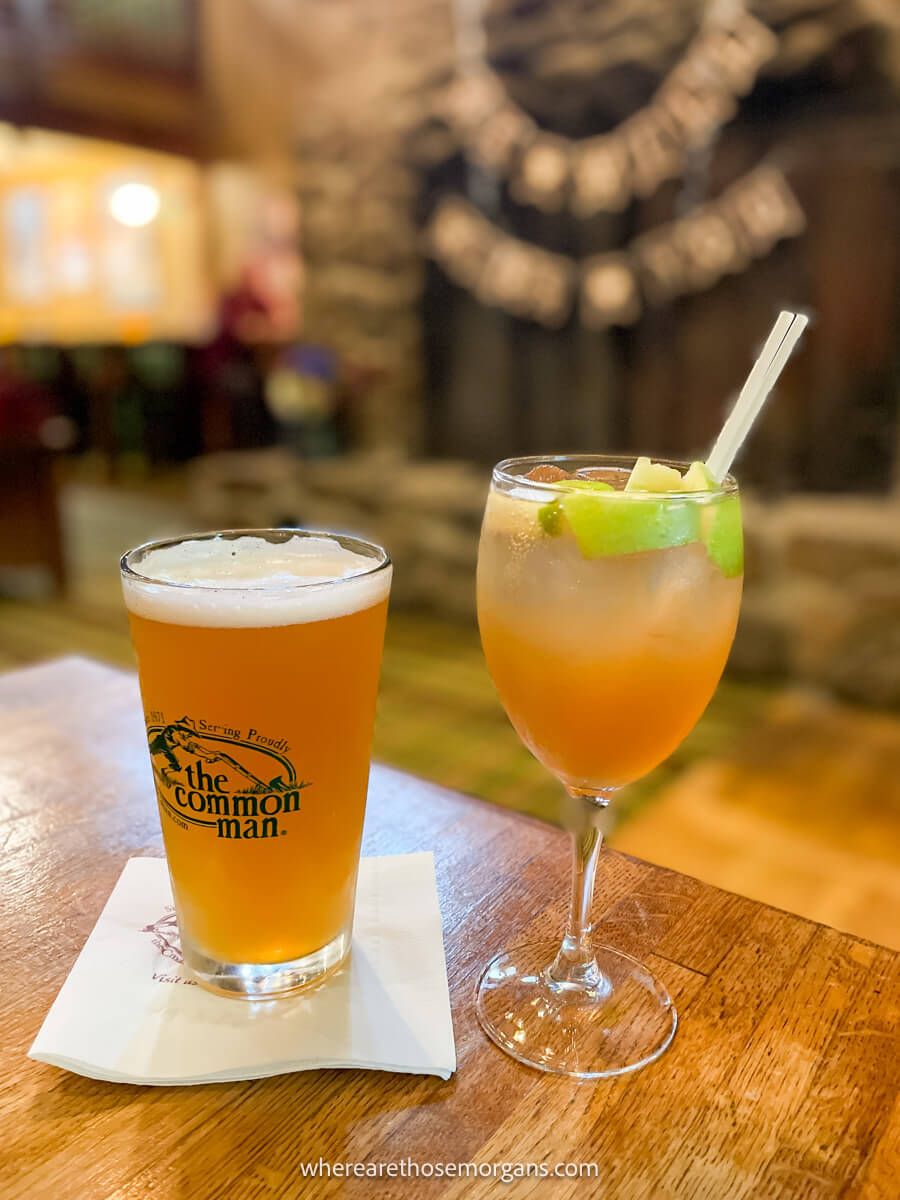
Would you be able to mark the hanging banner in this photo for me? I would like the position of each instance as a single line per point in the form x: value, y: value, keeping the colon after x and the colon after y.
x: 601, y: 174
x: 502, y: 271
x: 684, y: 256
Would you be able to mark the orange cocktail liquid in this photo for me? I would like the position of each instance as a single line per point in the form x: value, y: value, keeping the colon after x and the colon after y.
x: 262, y: 889
x: 603, y: 665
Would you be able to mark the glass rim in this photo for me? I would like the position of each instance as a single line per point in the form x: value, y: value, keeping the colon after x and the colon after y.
x: 503, y: 473
x: 348, y: 541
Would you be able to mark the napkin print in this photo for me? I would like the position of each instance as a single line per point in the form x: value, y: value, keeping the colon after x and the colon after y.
x: 129, y: 1013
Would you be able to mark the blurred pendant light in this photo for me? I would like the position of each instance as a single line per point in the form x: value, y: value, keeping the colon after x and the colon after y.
x: 134, y: 204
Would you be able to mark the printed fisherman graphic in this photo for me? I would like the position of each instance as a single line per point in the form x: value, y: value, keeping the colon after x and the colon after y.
x: 216, y: 779
x: 179, y: 745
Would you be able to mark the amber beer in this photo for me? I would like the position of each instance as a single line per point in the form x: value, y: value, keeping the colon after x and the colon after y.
x: 259, y: 655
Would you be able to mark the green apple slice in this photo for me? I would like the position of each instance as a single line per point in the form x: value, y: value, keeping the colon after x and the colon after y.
x: 550, y: 515
x: 697, y: 479
x: 647, y: 476
x: 721, y: 523
x: 722, y: 533
x: 550, y: 518
x: 605, y: 525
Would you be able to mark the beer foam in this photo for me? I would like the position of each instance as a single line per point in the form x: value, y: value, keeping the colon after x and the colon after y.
x: 251, y: 582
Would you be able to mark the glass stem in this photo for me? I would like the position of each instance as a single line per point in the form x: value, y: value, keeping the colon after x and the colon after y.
x: 575, y: 965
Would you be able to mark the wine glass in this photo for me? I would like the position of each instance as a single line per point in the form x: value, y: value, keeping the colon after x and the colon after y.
x: 606, y: 617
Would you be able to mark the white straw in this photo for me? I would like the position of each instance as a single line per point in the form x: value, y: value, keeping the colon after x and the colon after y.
x: 778, y: 348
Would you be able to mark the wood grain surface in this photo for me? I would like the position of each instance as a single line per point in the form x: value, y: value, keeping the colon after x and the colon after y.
x: 801, y: 811
x: 782, y: 1082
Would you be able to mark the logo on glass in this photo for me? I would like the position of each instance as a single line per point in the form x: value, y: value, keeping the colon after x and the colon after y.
x: 237, y: 785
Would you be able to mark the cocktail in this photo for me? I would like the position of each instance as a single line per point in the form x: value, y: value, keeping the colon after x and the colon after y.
x: 608, y: 595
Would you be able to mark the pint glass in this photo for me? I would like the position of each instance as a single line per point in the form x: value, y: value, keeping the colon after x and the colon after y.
x: 259, y: 653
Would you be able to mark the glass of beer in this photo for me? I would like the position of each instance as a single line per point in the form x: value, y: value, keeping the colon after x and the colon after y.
x: 259, y: 653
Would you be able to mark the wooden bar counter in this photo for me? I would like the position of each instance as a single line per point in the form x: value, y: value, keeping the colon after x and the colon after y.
x: 782, y: 1081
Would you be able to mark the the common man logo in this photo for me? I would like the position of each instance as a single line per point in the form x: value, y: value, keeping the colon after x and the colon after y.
x: 215, y: 778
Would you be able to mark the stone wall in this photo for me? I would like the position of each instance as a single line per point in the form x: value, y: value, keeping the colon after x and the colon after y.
x: 822, y: 590
x: 359, y: 190
x: 822, y: 598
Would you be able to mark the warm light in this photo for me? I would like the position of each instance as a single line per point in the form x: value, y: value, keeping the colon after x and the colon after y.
x: 134, y: 204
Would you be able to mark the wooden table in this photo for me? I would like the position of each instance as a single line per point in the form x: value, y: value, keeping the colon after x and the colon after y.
x: 782, y: 1081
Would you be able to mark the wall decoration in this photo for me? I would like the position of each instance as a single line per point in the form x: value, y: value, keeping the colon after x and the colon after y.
x: 683, y: 256
x: 601, y: 174
x: 500, y: 270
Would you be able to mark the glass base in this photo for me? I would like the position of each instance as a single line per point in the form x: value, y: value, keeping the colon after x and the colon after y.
x: 622, y: 1022
x: 265, y: 981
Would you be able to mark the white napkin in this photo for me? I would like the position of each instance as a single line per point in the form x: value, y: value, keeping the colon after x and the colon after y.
x: 129, y: 1014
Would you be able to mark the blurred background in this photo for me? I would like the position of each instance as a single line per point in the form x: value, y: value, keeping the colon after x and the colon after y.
x: 322, y: 262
